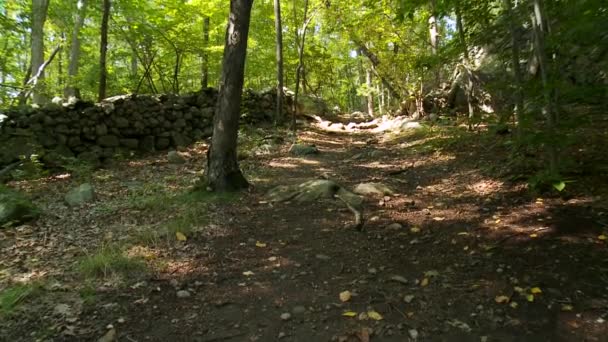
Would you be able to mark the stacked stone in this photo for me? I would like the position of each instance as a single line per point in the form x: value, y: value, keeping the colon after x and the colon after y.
x: 129, y: 122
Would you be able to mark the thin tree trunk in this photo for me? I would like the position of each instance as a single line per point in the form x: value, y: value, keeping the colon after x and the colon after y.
x: 434, y: 35
x: 370, y: 94
x: 465, y: 53
x: 60, y: 65
x: 517, y: 72
x: 72, y: 89
x: 103, y: 50
x: 302, y: 41
x: 279, y: 51
x: 176, y: 71
x: 539, y: 29
x: 205, y: 64
x: 39, y: 13
x: 31, y: 84
x: 223, y: 173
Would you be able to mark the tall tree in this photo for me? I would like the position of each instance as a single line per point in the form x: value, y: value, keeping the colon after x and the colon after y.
x: 300, y: 39
x: 279, y: 47
x: 71, y: 89
x: 103, y: 50
x: 223, y: 173
x: 517, y: 72
x: 434, y: 37
x: 205, y: 64
x: 39, y: 13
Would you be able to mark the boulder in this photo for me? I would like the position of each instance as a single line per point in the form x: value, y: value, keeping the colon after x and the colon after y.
x: 15, y: 208
x: 80, y: 195
x: 303, y: 150
x: 108, y: 141
x: 175, y: 158
x: 367, y: 189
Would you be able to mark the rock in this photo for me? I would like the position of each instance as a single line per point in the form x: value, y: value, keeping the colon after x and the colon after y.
x: 298, y: 310
x: 108, y: 141
x: 183, y: 294
x: 373, y: 189
x: 109, y: 336
x: 413, y: 334
x: 303, y: 150
x: 80, y: 195
x: 132, y: 144
x: 162, y: 143
x: 175, y: 158
x: 394, y: 226
x: 323, y: 257
x: 399, y: 279
x: 101, y: 130
x: 408, y: 298
x: 147, y: 144
x: 285, y: 316
x: 411, y: 125
x: 15, y: 208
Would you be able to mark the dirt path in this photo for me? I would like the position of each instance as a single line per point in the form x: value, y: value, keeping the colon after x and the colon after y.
x: 457, y: 255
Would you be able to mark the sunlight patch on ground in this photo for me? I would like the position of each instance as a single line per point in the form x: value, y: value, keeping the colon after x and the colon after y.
x: 283, y: 165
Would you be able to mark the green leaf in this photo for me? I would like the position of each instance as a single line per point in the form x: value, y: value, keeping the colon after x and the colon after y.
x: 559, y: 186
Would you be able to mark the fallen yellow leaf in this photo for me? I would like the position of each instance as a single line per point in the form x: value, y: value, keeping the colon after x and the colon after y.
x: 602, y: 237
x: 345, y: 296
x: 349, y: 314
x: 518, y: 289
x: 567, y: 307
x: 536, y: 290
x: 248, y: 273
x: 415, y: 230
x: 530, y: 297
x: 514, y: 305
x: 501, y: 299
x: 533, y: 235
x: 260, y: 244
x: 374, y: 315
x: 424, y: 282
x: 180, y: 236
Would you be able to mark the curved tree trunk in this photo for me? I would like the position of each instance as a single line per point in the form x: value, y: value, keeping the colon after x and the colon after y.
x: 205, y: 64
x: 223, y: 173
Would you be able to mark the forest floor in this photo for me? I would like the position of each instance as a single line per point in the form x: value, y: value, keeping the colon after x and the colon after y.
x: 458, y: 254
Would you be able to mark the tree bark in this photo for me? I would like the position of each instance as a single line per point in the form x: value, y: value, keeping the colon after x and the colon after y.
x: 279, y: 51
x: 205, y: 64
x: 434, y: 37
x: 370, y: 94
x: 465, y: 51
x: 223, y: 173
x: 517, y: 72
x: 71, y: 89
x: 301, y: 42
x: 103, y: 50
x: 39, y: 13
x: 539, y: 28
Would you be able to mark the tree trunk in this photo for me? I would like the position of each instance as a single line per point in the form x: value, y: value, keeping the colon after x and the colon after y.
x: 517, y: 72
x: 539, y: 29
x: 223, y: 173
x: 434, y: 35
x: 103, y: 50
x: 279, y: 47
x: 370, y: 93
x: 465, y: 55
x: 39, y: 12
x: 205, y: 64
x: 301, y: 41
x: 72, y: 89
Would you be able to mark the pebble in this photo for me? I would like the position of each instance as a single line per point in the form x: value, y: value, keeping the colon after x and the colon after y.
x: 183, y: 294
x: 409, y: 298
x: 282, y: 335
x: 399, y: 279
x: 394, y: 226
x: 286, y: 316
x: 372, y: 271
x: 413, y: 333
x: 298, y: 310
x: 323, y: 257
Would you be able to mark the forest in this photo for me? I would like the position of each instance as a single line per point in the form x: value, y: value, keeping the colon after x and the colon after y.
x: 303, y: 170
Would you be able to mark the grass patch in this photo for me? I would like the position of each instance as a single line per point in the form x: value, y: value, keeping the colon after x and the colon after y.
x: 109, y: 261
x: 11, y: 297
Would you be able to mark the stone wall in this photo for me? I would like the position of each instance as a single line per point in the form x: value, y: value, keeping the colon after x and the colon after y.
x: 122, y: 123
